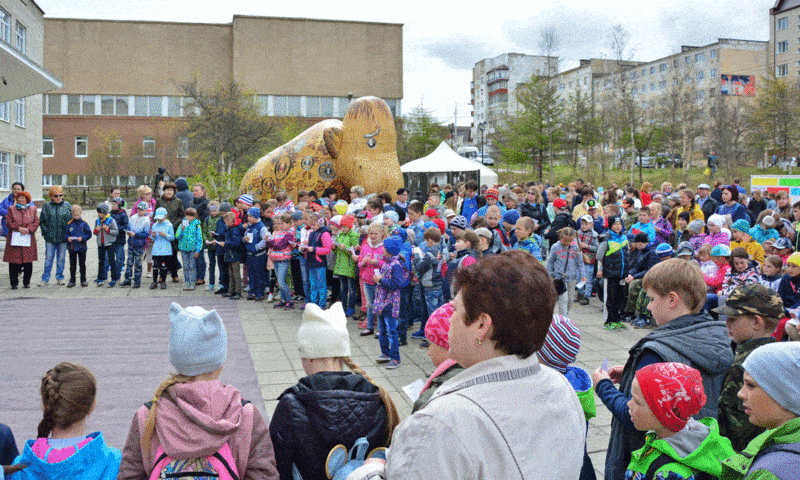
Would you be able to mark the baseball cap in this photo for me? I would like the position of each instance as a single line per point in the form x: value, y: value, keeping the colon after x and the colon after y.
x: 783, y: 242
x: 704, y: 186
x: 587, y: 219
x: 756, y: 299
x: 559, y: 203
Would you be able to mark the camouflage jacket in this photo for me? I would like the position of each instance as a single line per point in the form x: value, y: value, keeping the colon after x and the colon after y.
x: 733, y: 422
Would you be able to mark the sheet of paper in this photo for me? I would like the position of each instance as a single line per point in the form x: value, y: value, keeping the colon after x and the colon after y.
x: 412, y: 390
x: 19, y: 240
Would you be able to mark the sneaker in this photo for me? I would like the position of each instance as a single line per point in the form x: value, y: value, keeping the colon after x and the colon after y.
x: 246, y: 288
x: 578, y: 298
x: 112, y: 283
x: 70, y: 284
x: 42, y: 284
x: 153, y: 285
x: 280, y: 304
x: 251, y: 297
x: 235, y: 296
x: 126, y: 283
x: 99, y: 282
x: 150, y: 274
x: 366, y: 332
x: 270, y: 298
x: 59, y: 282
x: 221, y: 291
x: 210, y: 287
x: 84, y: 284
x: 137, y: 285
x: 175, y: 279
x: 349, y: 313
x: 419, y: 334
x: 289, y: 306
x: 392, y: 365
x: 639, y: 323
x: 199, y: 282
x: 302, y: 307
x: 424, y: 344
x: 402, y: 343
x: 163, y: 285
x: 14, y: 287
x: 584, y: 301
x: 612, y: 326
x: 382, y: 359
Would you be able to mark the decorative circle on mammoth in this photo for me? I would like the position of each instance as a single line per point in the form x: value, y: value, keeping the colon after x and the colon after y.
x: 283, y: 167
x: 268, y: 185
x: 299, y: 145
x: 326, y: 171
x: 307, y: 163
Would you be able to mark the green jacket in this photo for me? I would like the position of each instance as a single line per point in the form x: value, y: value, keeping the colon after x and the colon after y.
x: 733, y: 422
x: 738, y: 466
x: 190, y: 238
x: 209, y: 226
x: 175, y: 211
x: 698, y: 447
x: 345, y: 265
x: 53, y: 221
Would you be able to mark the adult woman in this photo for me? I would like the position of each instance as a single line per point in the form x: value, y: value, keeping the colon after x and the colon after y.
x: 53, y: 222
x: 8, y: 203
x: 756, y: 205
x: 504, y: 416
x: 686, y: 200
x: 731, y: 205
x: 609, y: 197
x: 174, y: 207
x: 534, y: 207
x: 23, y: 221
x: 644, y: 193
x: 783, y: 205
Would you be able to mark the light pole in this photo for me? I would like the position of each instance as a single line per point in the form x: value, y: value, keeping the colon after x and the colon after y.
x: 482, y: 127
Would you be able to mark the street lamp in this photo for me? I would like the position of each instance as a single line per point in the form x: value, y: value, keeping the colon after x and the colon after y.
x: 482, y: 127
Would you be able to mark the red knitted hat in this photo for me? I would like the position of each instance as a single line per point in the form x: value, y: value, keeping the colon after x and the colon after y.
x: 559, y: 203
x: 492, y: 193
x: 437, y: 329
x: 431, y: 213
x: 673, y: 391
x: 440, y: 223
x: 347, y: 221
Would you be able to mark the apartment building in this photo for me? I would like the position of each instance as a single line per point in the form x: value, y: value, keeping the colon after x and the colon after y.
x: 784, y: 39
x: 22, y: 80
x: 121, y: 98
x: 583, y: 79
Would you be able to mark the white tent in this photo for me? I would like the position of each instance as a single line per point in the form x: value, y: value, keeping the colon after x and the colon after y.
x: 444, y: 161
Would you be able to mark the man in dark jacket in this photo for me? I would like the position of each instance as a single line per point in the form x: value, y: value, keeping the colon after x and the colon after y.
x: 707, y: 204
x: 562, y: 219
x: 53, y: 221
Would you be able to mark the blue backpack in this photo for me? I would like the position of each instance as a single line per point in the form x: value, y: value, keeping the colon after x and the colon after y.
x: 339, y: 465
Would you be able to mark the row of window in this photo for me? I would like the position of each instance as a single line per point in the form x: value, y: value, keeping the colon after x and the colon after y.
x: 96, y: 180
x: 5, y: 169
x: 114, y: 147
x: 20, y: 32
x: 173, y: 106
x: 662, y: 67
x: 19, y: 112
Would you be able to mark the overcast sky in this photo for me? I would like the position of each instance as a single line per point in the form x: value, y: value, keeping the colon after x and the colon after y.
x: 443, y: 39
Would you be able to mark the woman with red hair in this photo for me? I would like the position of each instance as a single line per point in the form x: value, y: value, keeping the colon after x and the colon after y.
x: 20, y: 252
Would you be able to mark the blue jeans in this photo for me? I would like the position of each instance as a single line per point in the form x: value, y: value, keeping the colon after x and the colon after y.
x: 420, y: 309
x: 119, y: 254
x: 133, y: 267
x: 281, y: 269
x: 106, y: 259
x: 223, y: 271
x: 200, y: 266
x: 257, y: 271
x: 212, y: 265
x: 588, y: 272
x: 349, y: 289
x: 57, y: 251
x: 433, y: 300
x: 369, y: 292
x: 189, y: 272
x: 318, y: 286
x: 388, y: 337
x: 306, y: 281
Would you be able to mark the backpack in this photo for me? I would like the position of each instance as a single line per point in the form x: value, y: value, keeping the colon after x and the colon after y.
x: 339, y: 465
x: 219, y: 465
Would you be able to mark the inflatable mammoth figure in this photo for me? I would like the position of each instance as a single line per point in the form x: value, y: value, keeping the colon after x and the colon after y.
x: 361, y: 150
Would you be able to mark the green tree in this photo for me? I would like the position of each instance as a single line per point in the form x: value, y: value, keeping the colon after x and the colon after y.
x: 773, y: 118
x: 418, y: 134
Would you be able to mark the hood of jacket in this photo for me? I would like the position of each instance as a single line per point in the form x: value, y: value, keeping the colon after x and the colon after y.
x: 338, y: 403
x: 95, y: 460
x: 195, y: 419
x: 699, y: 446
x: 182, y: 184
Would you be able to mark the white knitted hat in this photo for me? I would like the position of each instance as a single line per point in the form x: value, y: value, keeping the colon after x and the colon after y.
x: 323, y: 333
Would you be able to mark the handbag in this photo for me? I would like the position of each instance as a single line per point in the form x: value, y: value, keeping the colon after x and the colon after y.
x: 560, y: 284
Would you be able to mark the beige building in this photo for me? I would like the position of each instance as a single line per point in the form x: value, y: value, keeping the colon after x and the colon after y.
x: 583, y: 79
x: 784, y: 39
x: 23, y: 80
x: 121, y: 79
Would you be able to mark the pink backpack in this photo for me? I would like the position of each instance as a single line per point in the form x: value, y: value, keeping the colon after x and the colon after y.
x: 220, y: 465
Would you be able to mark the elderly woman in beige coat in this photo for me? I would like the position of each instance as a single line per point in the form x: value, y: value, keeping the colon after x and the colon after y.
x: 506, y: 416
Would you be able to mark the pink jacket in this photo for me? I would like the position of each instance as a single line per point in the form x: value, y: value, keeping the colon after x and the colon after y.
x: 281, y: 250
x: 194, y: 420
x: 369, y: 259
x: 715, y: 282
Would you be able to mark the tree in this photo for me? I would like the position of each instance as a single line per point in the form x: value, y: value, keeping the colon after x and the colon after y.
x: 727, y: 131
x: 623, y: 90
x: 112, y: 158
x: 418, y: 134
x: 773, y: 117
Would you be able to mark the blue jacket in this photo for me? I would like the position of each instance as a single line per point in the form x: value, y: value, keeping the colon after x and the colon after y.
x: 468, y: 207
x: 788, y: 290
x: 95, y: 461
x: 140, y: 226
x: 219, y: 235
x: 256, y: 232
x: 233, y: 243
x: 78, y: 229
x: 647, y: 228
x: 121, y: 217
x: 7, y: 203
x: 162, y: 245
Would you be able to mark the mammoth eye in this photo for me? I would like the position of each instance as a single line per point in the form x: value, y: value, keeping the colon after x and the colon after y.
x: 371, y: 142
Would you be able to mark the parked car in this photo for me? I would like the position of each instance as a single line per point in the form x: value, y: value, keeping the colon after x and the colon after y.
x: 673, y: 160
x: 646, y: 162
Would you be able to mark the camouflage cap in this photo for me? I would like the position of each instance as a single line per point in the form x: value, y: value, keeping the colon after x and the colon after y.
x: 753, y: 299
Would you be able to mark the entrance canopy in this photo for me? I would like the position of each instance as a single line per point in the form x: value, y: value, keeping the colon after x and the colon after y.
x: 442, y: 166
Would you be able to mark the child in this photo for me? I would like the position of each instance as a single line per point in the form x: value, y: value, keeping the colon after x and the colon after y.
x: 560, y: 348
x: 612, y: 265
x: 78, y: 233
x: 565, y: 263
x: 677, y: 291
x: 387, y: 300
x: 255, y: 246
x: 120, y: 216
x: 753, y: 313
x: 526, y: 239
x: 740, y: 237
x: 562, y: 219
x: 661, y: 225
x: 190, y: 244
x: 428, y: 267
x: 510, y: 219
x: 162, y: 234
x: 209, y: 227
x: 715, y: 235
x: 720, y: 255
x: 645, y: 225
x: 681, y: 233
x: 233, y: 243
x: 644, y: 261
x: 319, y: 245
x: 696, y: 234
x: 62, y: 450
x: 664, y: 396
x: 772, y: 271
x: 783, y: 248
x: 138, y: 232
x: 707, y: 266
x: 297, y: 270
x: 280, y: 245
x: 192, y: 415
x: 370, y: 259
x: 345, y: 269
x: 416, y: 221
x: 763, y: 230
x: 587, y: 241
x: 789, y: 286
x: 437, y: 331
x: 355, y: 406
x: 771, y: 398
x: 219, y: 242
x: 484, y: 240
x: 467, y: 248
x: 106, y: 231
x: 742, y: 271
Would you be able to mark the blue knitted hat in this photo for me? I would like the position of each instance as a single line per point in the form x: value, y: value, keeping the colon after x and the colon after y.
x: 459, y: 221
x: 254, y: 212
x: 664, y: 250
x: 511, y: 217
x: 392, y: 245
x: 774, y: 368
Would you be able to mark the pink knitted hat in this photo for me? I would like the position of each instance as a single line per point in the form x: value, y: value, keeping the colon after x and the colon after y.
x: 438, y: 326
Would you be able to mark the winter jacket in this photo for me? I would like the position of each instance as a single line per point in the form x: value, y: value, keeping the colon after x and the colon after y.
x: 753, y: 249
x: 662, y: 235
x: 789, y: 289
x: 590, y: 239
x: 201, y: 205
x: 140, y: 226
x: 538, y: 212
x: 106, y: 238
x: 321, y: 240
x: 280, y: 245
x: 695, y: 213
x: 561, y: 220
x: 190, y: 237
x: 733, y: 280
x: 715, y: 282
x: 162, y: 245
x: 647, y: 228
x: 183, y: 192
x: 444, y: 372
x: 194, y: 420
x: 770, y: 456
x: 468, y: 207
x: 715, y: 239
x: 499, y: 243
x: 121, y: 217
x: 394, y: 274
x: 677, y: 236
x: 5, y: 205
x: 79, y: 229
x: 8, y: 446
x: 698, y: 447
x: 464, y: 258
x: 256, y: 232
x: 761, y: 235
x: 565, y: 263
x: 647, y: 259
x: 428, y: 268
x: 53, y: 221
x: 209, y: 227
x: 219, y: 235
x: 709, y: 207
x: 324, y: 410
x: 94, y: 460
x: 21, y: 218
x: 612, y: 256
x: 175, y: 211
x: 737, y: 212
x: 345, y: 265
x: 733, y: 423
x: 532, y: 245
x: 694, y: 340
x: 370, y: 258
x: 487, y: 413
x: 234, y: 245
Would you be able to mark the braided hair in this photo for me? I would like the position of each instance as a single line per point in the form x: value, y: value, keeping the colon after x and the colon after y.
x: 150, y: 424
x: 68, y: 392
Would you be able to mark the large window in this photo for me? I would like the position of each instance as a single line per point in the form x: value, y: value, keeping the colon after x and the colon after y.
x: 782, y: 47
x: 52, y: 104
x: 48, y: 146
x: 5, y: 181
x: 19, y: 119
x: 19, y: 168
x: 149, y: 147
x: 21, y: 33
x: 81, y: 146
x: 782, y: 70
x: 783, y: 23
x: 5, y: 26
x: 5, y: 111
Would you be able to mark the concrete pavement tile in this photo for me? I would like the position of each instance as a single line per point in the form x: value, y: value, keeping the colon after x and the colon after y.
x: 277, y: 378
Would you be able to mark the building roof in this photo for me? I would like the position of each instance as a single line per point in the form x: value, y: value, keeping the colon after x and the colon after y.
x: 783, y: 6
x: 22, y: 77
